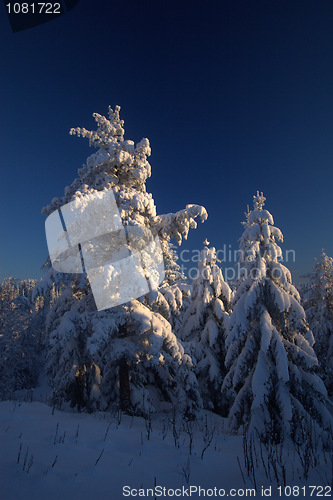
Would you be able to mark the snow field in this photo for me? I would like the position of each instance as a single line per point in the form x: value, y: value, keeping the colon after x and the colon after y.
x: 52, y: 455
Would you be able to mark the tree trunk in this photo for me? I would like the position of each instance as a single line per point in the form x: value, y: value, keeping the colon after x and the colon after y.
x: 124, y: 387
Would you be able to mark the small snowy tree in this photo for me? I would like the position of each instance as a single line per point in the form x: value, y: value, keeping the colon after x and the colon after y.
x: 204, y: 324
x: 9, y: 290
x: 271, y: 386
x: 318, y: 305
x: 96, y: 354
x: 19, y: 341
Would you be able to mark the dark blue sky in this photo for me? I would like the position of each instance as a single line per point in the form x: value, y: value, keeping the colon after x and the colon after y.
x: 234, y: 96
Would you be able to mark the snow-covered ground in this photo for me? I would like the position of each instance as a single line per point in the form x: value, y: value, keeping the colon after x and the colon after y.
x: 53, y: 455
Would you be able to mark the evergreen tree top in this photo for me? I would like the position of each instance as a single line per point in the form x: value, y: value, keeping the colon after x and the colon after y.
x: 117, y: 164
x: 258, y: 214
x: 260, y: 236
x: 122, y: 166
x: 259, y: 201
x: 108, y: 131
x: 321, y: 279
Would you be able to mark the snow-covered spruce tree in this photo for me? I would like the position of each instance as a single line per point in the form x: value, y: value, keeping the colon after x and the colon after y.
x: 11, y: 288
x: 318, y: 305
x: 204, y: 325
x: 19, y: 342
x: 270, y: 387
x: 173, y: 297
x: 127, y: 352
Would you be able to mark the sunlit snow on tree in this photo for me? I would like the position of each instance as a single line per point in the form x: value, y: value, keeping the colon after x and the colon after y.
x: 204, y: 325
x: 271, y: 386
x: 130, y: 351
x: 318, y: 305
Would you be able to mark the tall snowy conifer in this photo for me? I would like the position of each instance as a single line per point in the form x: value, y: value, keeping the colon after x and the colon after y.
x: 204, y: 324
x: 318, y: 306
x: 270, y: 387
x: 128, y: 351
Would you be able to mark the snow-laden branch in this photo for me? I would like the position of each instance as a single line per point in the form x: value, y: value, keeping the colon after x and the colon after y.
x: 177, y: 225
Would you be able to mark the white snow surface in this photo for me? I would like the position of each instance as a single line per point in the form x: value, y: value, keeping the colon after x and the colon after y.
x: 70, y: 455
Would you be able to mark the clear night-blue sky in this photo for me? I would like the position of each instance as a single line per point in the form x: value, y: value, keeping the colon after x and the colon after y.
x: 233, y: 95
